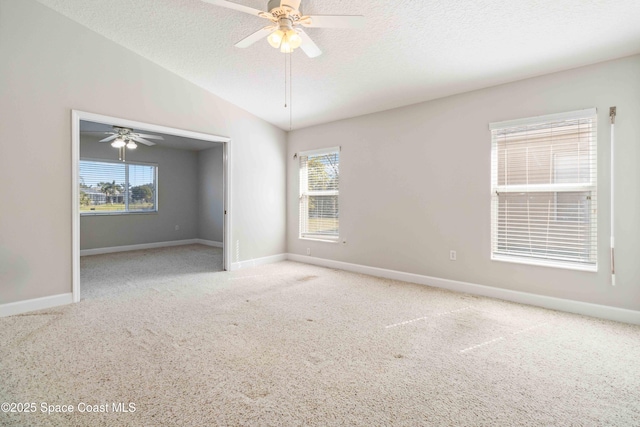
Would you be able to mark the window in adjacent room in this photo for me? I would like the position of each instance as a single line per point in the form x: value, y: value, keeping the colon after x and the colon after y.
x: 319, y: 189
x: 117, y: 187
x: 543, y: 184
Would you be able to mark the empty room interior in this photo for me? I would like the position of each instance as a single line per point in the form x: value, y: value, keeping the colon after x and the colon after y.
x: 123, y: 175
x: 303, y: 212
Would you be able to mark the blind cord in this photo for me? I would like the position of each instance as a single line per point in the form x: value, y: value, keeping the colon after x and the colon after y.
x: 290, y: 92
x: 612, y: 115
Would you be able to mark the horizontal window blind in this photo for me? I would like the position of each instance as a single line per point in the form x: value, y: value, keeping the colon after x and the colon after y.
x: 319, y: 190
x: 142, y: 188
x: 544, y: 176
x: 110, y: 187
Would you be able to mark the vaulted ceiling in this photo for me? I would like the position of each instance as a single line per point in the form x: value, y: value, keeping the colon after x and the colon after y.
x: 409, y: 51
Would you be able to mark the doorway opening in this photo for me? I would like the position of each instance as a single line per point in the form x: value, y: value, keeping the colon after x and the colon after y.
x: 143, y: 187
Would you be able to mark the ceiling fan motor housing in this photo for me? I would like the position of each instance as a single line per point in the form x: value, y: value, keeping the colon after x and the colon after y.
x: 284, y: 7
x: 285, y: 23
x: 122, y: 130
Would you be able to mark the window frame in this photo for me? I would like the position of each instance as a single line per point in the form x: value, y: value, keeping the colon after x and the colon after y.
x: 125, y: 212
x: 591, y: 187
x: 303, y: 184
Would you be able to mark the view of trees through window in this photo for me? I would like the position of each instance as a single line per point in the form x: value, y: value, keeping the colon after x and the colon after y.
x: 116, y: 187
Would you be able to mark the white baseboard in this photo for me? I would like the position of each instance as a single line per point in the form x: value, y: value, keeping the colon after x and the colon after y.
x: 112, y: 249
x: 588, y: 309
x: 258, y: 261
x: 571, y: 306
x: 25, y: 306
x: 209, y: 243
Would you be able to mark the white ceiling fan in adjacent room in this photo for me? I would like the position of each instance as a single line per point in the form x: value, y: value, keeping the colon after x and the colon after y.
x: 126, y: 137
x: 286, y: 19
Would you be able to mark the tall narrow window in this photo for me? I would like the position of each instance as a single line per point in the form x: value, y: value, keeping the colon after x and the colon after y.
x: 543, y: 183
x: 116, y: 187
x: 319, y: 186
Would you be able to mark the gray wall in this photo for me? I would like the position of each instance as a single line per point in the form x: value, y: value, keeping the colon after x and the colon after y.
x: 210, y: 194
x: 177, y: 200
x: 52, y: 65
x: 415, y: 183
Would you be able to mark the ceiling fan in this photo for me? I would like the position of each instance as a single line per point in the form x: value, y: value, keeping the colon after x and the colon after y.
x: 284, y: 32
x: 122, y: 137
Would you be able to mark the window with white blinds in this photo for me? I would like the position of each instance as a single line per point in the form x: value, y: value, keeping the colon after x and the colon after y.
x: 319, y: 187
x: 543, y: 183
x: 117, y: 187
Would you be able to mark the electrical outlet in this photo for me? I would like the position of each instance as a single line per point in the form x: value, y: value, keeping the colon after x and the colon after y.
x: 308, y: 251
x: 177, y: 227
x: 453, y: 255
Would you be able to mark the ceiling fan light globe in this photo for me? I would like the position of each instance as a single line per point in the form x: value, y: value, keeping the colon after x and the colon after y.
x: 286, y: 47
x: 118, y: 143
x: 294, y: 40
x: 275, y: 38
x: 132, y: 145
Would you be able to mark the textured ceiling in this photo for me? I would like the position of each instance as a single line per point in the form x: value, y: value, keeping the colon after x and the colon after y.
x: 410, y: 50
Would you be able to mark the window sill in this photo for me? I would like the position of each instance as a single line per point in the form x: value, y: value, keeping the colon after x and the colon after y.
x: 87, y: 214
x: 317, y: 239
x: 545, y: 263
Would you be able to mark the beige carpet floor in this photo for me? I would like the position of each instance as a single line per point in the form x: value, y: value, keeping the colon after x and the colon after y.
x: 108, y: 275
x: 289, y: 344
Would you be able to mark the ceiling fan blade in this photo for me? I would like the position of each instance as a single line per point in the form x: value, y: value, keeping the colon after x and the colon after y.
x: 142, y: 141
x: 308, y: 46
x: 144, y: 135
x: 109, y: 138
x: 333, y: 21
x: 260, y: 34
x: 236, y: 6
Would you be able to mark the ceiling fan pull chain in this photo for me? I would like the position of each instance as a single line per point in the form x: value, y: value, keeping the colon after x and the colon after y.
x: 290, y: 92
x: 285, y: 81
